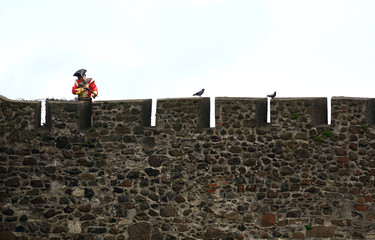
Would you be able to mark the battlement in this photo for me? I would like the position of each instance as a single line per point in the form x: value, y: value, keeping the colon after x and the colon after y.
x: 102, y: 170
x: 20, y: 115
x: 360, y: 111
x: 187, y: 114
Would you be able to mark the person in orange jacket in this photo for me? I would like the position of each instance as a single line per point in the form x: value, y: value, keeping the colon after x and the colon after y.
x: 84, y: 87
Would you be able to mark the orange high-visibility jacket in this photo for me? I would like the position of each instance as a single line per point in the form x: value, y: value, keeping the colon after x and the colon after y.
x: 90, y: 83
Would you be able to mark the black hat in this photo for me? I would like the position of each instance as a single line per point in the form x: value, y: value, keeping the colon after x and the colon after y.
x: 79, y: 73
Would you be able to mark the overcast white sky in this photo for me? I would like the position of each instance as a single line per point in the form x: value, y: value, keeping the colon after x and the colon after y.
x: 173, y: 48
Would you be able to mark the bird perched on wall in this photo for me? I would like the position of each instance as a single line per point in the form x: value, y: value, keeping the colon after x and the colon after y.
x: 199, y: 93
x: 272, y: 95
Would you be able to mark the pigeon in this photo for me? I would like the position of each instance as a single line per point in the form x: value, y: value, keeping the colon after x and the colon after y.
x: 272, y: 95
x: 199, y: 93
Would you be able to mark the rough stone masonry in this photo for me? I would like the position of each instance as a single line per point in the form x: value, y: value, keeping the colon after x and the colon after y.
x: 100, y: 171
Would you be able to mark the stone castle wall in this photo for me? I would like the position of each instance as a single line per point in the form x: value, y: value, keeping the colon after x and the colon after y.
x: 101, y: 171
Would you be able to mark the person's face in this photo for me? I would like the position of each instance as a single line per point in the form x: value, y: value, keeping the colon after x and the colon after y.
x: 84, y: 78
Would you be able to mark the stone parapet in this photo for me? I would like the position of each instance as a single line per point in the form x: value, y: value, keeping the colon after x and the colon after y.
x: 67, y: 116
x: 183, y: 114
x: 240, y: 112
x: 352, y: 111
x: 126, y: 112
x: 298, y: 112
x: 21, y: 115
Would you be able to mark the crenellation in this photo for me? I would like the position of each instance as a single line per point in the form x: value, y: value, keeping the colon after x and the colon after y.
x: 183, y: 114
x: 118, y: 114
x: 19, y: 115
x: 240, y: 112
x: 351, y: 111
x: 298, y: 112
x: 249, y: 112
x: 101, y: 171
x: 67, y: 117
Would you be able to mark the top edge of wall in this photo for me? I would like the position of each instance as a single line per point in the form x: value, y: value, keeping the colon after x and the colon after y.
x: 240, y: 98
x: 17, y: 101
x: 124, y: 100
x: 298, y: 98
x: 182, y: 98
x: 190, y: 98
x: 351, y: 98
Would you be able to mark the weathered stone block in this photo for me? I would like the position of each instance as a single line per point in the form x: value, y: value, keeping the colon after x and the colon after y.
x: 268, y: 220
x: 213, y: 233
x: 320, y: 232
x: 7, y: 235
x: 74, y: 227
x: 139, y: 231
x: 167, y: 211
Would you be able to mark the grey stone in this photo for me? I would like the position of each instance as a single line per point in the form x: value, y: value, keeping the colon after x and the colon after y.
x: 74, y: 227
x: 139, y: 231
x: 320, y: 232
x: 167, y: 211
